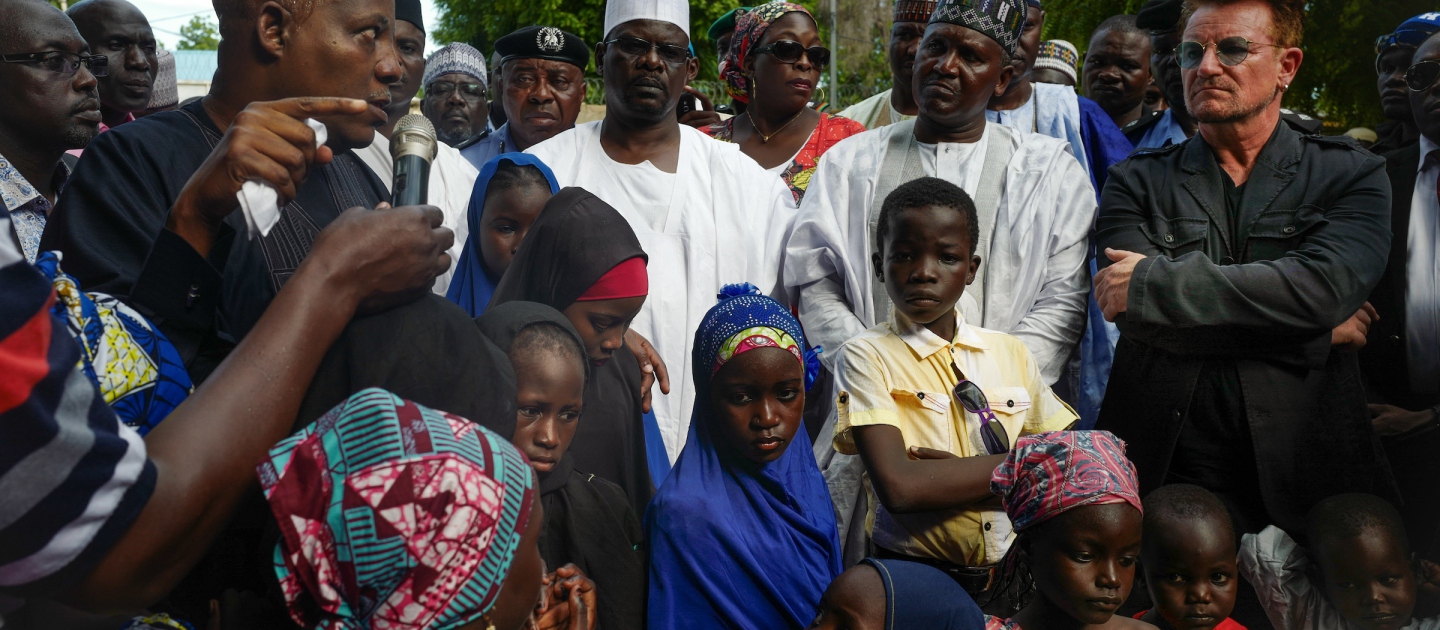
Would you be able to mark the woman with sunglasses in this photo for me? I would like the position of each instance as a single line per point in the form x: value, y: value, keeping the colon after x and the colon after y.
x: 773, y: 67
x: 932, y: 403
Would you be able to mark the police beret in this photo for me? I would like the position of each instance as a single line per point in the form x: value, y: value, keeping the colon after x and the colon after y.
x: 543, y: 42
x: 1160, y: 16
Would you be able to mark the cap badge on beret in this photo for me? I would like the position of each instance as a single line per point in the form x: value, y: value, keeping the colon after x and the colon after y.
x: 550, y: 40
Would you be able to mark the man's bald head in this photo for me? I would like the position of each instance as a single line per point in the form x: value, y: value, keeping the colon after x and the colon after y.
x: 119, y: 31
x: 232, y: 13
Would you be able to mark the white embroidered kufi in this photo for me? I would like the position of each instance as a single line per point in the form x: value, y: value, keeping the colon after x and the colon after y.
x: 618, y: 12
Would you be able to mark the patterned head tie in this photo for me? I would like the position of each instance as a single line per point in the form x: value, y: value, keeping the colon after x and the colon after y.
x: 458, y: 57
x: 393, y: 515
x: 1049, y: 474
x: 914, y: 10
x: 1000, y: 20
x: 745, y: 320
x: 750, y: 26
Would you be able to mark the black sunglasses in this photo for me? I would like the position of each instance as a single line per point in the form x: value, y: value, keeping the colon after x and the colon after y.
x: 1422, y: 75
x: 992, y: 433
x: 636, y: 48
x: 788, y: 51
x: 1232, y: 51
x: 61, y: 62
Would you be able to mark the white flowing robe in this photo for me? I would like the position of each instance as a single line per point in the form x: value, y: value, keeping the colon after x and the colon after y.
x: 726, y: 222
x: 1037, y: 275
x: 452, y: 178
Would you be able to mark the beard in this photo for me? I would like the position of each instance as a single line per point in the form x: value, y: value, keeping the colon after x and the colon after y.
x: 1232, y: 111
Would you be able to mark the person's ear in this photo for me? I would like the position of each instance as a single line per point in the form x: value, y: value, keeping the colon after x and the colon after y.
x: 692, y: 69
x: 274, y: 25
x: 974, y: 269
x: 877, y: 260
x: 600, y: 59
x: 1006, y: 74
x: 1290, y: 59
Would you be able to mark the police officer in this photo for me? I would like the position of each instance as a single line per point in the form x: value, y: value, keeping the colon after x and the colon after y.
x: 541, y: 87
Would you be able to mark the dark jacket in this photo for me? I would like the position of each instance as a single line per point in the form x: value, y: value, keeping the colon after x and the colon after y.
x: 1313, y: 234
x: 1384, y: 359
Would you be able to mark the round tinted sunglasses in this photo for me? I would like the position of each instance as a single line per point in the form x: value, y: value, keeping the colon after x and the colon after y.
x: 992, y: 433
x: 1422, y: 75
x: 788, y: 51
x: 1231, y: 51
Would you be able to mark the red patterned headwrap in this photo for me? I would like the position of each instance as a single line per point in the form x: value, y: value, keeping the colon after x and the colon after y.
x: 749, y: 28
x: 1049, y: 474
x: 625, y: 280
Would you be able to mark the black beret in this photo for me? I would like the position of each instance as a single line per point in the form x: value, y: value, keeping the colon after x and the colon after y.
x: 409, y: 10
x: 543, y: 42
x: 1159, y: 16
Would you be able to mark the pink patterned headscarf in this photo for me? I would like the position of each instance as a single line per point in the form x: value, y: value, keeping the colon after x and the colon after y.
x: 394, y: 516
x: 749, y: 28
x: 1049, y: 474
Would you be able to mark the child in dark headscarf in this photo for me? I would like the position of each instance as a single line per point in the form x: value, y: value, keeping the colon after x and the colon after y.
x: 1074, y: 501
x: 588, y: 520
x: 582, y: 258
x: 742, y: 533
x: 896, y: 595
x: 508, y: 196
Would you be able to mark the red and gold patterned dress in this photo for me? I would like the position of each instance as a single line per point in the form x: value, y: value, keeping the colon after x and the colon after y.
x: 830, y: 130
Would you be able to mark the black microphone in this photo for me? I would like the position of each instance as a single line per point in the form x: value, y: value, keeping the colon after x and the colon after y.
x: 413, y: 146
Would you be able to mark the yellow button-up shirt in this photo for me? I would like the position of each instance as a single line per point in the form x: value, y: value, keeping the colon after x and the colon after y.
x: 898, y: 374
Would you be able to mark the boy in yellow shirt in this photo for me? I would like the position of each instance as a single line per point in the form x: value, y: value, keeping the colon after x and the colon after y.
x: 932, y: 404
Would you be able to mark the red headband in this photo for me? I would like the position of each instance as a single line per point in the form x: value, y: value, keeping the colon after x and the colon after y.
x: 625, y: 280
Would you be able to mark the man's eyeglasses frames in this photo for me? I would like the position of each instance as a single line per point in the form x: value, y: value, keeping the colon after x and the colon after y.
x: 635, y: 48
x: 1231, y: 51
x: 61, y: 62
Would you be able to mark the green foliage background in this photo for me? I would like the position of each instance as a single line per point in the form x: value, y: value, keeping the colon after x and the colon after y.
x: 199, y: 34
x: 1337, y: 78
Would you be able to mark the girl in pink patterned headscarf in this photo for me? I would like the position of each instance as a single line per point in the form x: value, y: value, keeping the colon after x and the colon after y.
x: 1074, y: 500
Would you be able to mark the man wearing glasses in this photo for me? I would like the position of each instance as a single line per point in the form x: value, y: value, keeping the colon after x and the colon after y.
x: 49, y: 105
x: 1393, y: 53
x: 1237, y: 266
x: 707, y: 214
x: 1402, y: 363
x: 455, y: 93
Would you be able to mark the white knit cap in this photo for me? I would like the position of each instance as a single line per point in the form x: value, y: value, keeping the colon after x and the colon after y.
x: 676, y: 12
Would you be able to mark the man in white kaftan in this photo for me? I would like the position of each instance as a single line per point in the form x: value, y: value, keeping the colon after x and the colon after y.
x: 705, y: 213
x: 1034, y: 201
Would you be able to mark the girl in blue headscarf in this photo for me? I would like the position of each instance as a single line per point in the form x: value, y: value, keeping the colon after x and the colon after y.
x: 742, y: 533
x: 508, y: 196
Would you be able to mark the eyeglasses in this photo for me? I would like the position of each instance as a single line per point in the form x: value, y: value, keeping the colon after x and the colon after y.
x: 1231, y: 51
x: 787, y: 51
x: 468, y: 91
x: 1422, y: 75
x: 636, y: 48
x: 992, y: 433
x: 61, y: 62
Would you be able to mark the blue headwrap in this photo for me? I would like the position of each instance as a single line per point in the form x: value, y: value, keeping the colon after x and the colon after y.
x: 921, y: 596
x: 472, y: 285
x: 734, y: 543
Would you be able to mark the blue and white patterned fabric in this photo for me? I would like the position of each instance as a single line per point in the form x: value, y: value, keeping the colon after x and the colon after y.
x: 457, y: 57
x: 138, y: 370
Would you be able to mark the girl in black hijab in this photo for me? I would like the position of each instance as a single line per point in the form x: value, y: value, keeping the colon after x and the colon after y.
x: 588, y: 520
x: 581, y: 258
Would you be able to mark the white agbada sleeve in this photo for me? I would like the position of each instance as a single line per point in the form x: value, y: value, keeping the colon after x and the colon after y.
x: 1051, y: 198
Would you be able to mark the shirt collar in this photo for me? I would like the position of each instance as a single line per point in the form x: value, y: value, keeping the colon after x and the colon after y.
x: 16, y: 191
x: 1427, y: 147
x: 926, y: 343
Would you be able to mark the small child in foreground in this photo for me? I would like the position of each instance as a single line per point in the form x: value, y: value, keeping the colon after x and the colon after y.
x: 1075, y: 502
x: 1358, y: 572
x: 1188, y: 557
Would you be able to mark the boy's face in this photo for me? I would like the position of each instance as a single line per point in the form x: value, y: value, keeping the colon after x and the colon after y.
x: 926, y: 261
x: 1190, y: 569
x: 1084, y: 560
x: 1369, y: 579
x: 550, y: 388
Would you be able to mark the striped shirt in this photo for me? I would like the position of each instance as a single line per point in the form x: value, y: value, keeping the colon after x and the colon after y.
x: 72, y: 477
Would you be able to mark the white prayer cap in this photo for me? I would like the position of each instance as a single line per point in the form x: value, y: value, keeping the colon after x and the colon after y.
x: 676, y: 12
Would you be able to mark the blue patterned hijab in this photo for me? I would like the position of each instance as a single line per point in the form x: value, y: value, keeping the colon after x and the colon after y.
x: 734, y: 544
x: 472, y: 285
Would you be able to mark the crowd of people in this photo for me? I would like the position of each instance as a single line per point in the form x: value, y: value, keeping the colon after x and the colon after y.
x: 1037, y: 338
